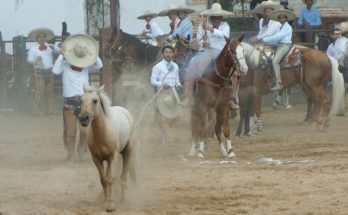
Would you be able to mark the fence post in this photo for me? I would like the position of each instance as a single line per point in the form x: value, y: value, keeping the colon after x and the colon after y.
x: 106, y: 74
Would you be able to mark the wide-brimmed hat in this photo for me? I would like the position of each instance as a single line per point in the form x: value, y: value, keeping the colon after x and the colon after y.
x: 267, y: 4
x: 216, y: 10
x: 288, y: 13
x: 343, y: 27
x: 81, y: 50
x: 167, y: 103
x: 182, y: 8
x: 147, y: 13
x: 166, y: 12
x: 48, y: 32
x: 314, y: 1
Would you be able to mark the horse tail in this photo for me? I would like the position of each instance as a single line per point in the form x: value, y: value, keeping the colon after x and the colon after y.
x: 337, y: 87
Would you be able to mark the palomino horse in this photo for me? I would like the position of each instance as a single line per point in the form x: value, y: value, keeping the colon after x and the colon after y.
x: 213, y: 90
x: 313, y: 74
x: 109, y: 136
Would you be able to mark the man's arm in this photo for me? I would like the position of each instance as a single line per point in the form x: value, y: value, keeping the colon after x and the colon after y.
x: 31, y: 56
x: 223, y: 32
x: 95, y: 67
x: 316, y: 20
x: 155, y: 77
x: 279, y: 35
x: 58, y: 65
x: 300, y: 19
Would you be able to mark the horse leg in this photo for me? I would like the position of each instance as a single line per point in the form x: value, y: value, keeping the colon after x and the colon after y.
x: 128, y: 156
x: 309, y: 114
x: 320, y: 99
x: 110, y: 182
x: 202, y: 121
x: 249, y: 109
x: 100, y: 167
x: 226, y: 130
x: 194, y: 131
x: 218, y: 125
x: 257, y: 110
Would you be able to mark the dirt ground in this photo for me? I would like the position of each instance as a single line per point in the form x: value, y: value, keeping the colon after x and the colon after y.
x: 289, y: 168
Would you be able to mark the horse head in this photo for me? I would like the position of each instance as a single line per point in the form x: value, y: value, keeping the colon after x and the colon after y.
x: 90, y: 104
x: 234, y: 54
x: 115, y: 43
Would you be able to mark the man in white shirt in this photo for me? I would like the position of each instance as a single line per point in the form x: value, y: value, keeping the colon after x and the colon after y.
x: 281, y: 39
x: 339, y: 50
x: 152, y: 29
x: 43, y: 52
x: 211, y: 36
x: 172, y: 15
x: 75, y: 64
x: 267, y: 26
x: 165, y: 76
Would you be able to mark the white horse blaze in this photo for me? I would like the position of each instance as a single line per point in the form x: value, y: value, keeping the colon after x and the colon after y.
x: 241, y: 59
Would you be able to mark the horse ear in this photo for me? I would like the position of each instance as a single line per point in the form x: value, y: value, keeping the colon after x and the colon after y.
x: 101, y: 89
x: 86, y: 87
x: 240, y: 39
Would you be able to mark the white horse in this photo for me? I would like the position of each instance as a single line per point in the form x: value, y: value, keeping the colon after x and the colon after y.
x: 109, y: 136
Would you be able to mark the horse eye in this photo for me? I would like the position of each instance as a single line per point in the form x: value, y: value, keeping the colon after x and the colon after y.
x: 80, y: 101
x: 95, y: 101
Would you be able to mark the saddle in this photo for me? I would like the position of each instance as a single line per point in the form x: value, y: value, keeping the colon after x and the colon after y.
x: 291, y: 59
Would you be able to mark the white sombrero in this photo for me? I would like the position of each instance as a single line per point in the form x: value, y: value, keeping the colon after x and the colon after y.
x: 267, y: 4
x: 167, y: 103
x: 166, y: 12
x: 34, y: 33
x: 342, y: 27
x: 81, y: 50
x: 314, y: 2
x: 216, y: 10
x: 182, y: 8
x: 288, y: 13
x: 147, y: 13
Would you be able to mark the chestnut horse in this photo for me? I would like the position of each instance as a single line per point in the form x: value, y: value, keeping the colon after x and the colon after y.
x: 314, y: 72
x: 109, y: 136
x: 213, y: 91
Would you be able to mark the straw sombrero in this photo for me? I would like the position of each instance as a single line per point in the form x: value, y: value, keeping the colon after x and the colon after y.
x: 288, y: 13
x: 182, y: 8
x: 216, y: 10
x: 147, y: 13
x: 167, y: 104
x: 342, y: 27
x: 81, y: 50
x: 314, y: 2
x: 267, y: 4
x: 48, y: 32
x: 166, y: 12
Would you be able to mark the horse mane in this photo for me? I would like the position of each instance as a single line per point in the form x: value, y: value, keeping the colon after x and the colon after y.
x: 105, y: 101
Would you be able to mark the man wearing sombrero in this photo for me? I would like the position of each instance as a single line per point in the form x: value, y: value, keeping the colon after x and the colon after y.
x: 339, y: 51
x: 79, y: 56
x: 152, y: 29
x: 174, y: 21
x: 43, y: 52
x: 185, y: 25
x: 267, y: 26
x: 211, y: 36
x: 309, y: 18
x: 281, y: 39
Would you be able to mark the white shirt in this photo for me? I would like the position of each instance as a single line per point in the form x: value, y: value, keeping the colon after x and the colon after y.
x: 284, y: 35
x: 216, y: 38
x: 154, y: 31
x: 46, y: 55
x: 160, y: 71
x: 337, y: 49
x: 268, y: 30
x: 73, y: 81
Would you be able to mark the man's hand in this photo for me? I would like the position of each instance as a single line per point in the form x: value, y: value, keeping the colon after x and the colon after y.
x: 51, y: 47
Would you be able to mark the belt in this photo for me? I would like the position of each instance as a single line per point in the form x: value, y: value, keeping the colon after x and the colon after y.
x: 75, y: 100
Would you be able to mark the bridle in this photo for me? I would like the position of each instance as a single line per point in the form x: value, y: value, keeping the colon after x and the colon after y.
x: 234, y: 68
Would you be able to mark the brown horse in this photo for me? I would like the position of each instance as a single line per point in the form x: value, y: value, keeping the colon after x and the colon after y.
x: 109, y: 136
x: 213, y: 90
x: 313, y: 74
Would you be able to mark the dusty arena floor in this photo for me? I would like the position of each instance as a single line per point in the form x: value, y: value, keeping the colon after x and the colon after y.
x: 288, y: 169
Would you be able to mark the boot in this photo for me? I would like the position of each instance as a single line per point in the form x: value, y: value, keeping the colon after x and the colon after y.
x: 188, y: 88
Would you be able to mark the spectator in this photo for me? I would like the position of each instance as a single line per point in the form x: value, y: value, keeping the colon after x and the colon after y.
x: 309, y: 18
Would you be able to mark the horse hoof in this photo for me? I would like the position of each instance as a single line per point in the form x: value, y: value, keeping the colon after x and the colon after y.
x: 288, y: 107
x: 231, y: 155
x: 200, y: 155
x: 110, y: 210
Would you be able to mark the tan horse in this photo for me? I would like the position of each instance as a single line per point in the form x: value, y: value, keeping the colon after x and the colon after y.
x: 109, y: 136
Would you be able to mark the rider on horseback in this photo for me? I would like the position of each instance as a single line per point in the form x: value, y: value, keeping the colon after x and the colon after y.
x: 283, y: 41
x: 185, y: 25
x: 152, y: 29
x: 212, y: 37
x: 172, y: 15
